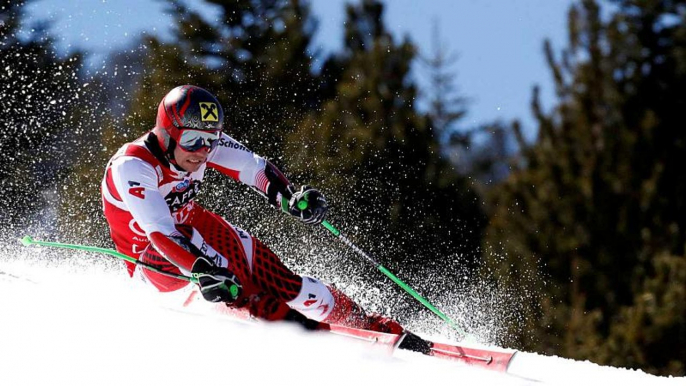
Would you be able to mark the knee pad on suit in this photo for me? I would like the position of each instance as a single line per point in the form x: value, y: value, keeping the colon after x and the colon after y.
x: 315, y: 300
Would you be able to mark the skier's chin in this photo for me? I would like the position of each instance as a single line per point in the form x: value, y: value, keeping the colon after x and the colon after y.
x: 192, y: 165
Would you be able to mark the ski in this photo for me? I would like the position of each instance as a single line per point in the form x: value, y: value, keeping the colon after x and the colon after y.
x: 496, y: 360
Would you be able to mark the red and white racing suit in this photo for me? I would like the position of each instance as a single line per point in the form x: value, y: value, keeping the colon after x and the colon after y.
x: 144, y: 195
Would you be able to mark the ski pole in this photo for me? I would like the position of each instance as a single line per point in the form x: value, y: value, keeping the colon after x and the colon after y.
x: 390, y: 274
x: 28, y: 240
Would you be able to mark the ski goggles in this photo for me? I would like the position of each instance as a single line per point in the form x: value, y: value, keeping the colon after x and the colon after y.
x: 192, y: 140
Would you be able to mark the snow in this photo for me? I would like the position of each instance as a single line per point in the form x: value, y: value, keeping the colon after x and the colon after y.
x: 89, y: 325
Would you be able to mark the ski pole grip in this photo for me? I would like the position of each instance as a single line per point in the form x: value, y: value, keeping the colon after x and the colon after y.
x: 26, y: 241
x: 302, y: 204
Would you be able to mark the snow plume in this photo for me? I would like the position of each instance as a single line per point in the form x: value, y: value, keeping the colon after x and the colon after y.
x: 482, y: 311
x: 478, y: 306
x: 50, y: 114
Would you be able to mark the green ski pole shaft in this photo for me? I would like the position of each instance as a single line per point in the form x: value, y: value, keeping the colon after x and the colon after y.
x: 395, y: 279
x: 28, y: 240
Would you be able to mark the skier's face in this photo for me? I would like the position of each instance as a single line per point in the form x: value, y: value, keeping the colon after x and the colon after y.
x: 191, y: 161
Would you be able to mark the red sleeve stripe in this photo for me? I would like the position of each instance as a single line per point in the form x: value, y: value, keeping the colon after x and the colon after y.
x: 110, y: 185
x: 261, y: 181
x: 229, y: 172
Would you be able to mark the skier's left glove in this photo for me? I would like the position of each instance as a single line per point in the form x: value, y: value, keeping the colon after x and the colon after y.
x: 217, y: 284
x: 309, y: 205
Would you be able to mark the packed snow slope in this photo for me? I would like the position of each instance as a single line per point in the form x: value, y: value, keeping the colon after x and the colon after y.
x: 88, y: 326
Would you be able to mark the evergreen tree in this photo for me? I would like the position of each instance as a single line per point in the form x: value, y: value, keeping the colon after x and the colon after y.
x: 482, y: 152
x: 591, y: 225
x: 39, y: 93
x: 379, y: 160
x: 445, y: 107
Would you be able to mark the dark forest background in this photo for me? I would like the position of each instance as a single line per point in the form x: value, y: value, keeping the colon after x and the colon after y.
x: 587, y: 221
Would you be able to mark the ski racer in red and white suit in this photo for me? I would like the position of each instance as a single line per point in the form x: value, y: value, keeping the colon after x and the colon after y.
x: 148, y: 191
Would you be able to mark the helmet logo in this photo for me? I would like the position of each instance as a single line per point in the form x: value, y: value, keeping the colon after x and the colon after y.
x: 208, y: 112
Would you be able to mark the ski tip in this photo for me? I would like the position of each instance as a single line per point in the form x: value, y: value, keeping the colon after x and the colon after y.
x: 26, y: 240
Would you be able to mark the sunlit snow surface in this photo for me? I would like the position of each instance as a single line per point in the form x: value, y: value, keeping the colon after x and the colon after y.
x: 90, y: 325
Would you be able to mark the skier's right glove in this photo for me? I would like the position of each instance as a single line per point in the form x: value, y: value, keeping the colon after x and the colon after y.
x: 217, y: 284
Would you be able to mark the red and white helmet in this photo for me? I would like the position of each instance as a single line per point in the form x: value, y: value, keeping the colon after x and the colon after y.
x: 188, y: 110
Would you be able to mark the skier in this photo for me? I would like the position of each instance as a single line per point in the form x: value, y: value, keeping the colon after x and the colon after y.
x: 148, y: 191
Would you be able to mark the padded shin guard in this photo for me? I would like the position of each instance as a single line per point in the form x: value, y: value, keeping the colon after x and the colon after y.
x: 348, y: 313
x: 314, y: 300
